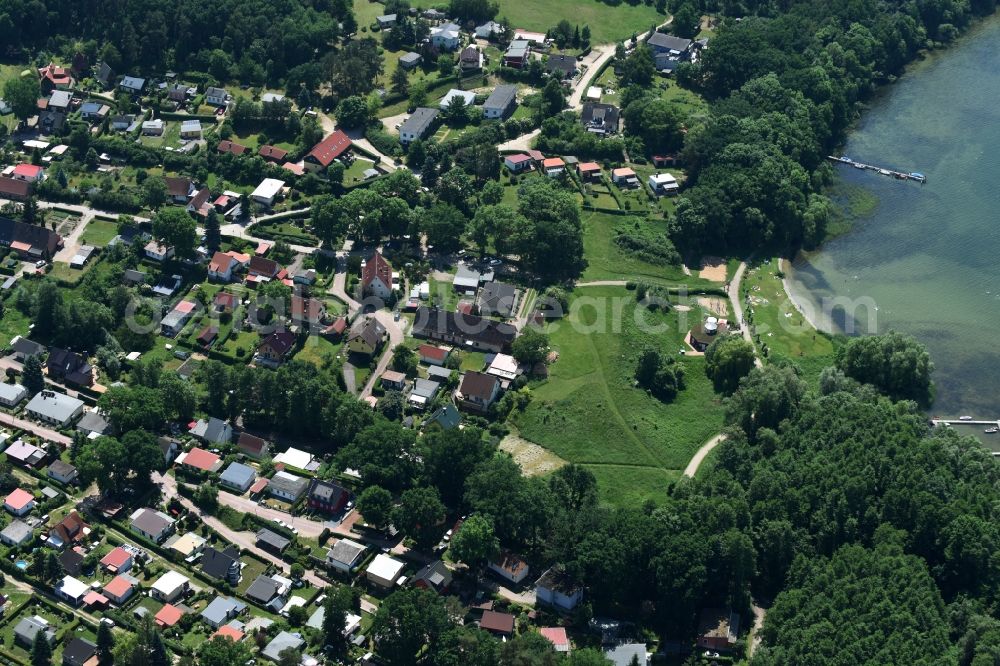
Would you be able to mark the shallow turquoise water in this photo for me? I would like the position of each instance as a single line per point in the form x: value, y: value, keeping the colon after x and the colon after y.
x: 928, y: 256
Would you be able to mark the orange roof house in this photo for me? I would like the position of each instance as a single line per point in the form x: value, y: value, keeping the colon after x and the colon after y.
x: 168, y: 616
x: 326, y: 151
x: 201, y: 459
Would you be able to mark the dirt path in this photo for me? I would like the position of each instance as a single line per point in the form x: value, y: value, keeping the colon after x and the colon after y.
x: 734, y: 297
x: 758, y: 622
x: 701, y: 454
x: 602, y: 283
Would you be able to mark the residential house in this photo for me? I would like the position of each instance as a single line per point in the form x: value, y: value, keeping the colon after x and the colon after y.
x: 336, y: 329
x: 434, y: 15
x: 94, y: 111
x: 200, y: 204
x: 263, y: 267
x: 29, y: 627
x: 79, y: 652
x: 153, y: 127
x: 104, y: 75
x: 253, y: 446
x: 222, y: 564
x: 589, y: 171
x: 69, y: 367
x: 423, y: 393
x: 517, y: 163
x: 53, y: 77
x: 675, y: 46
x: 501, y: 102
x: 133, y: 85
x: 307, y: 311
x: 393, y: 381
x: 122, y: 122
x: 384, y: 571
x: 268, y: 191
x: 553, y: 167
x: 191, y: 129
x: 510, y: 567
x: 54, y: 408
x: 238, y: 477
x: 273, y: 153
x: 504, y: 367
x: 433, y: 355
x: 666, y: 63
x: 419, y: 125
x: 600, y: 118
x: 627, y: 654
x: 151, y: 524
x: 624, y: 177
x: 72, y: 563
x: 557, y: 636
x: 376, y: 277
x: 176, y: 319
x: 216, y: 96
x: 488, y: 30
x: 16, y: 534
x: 326, y: 496
x: 561, y: 66
x: 497, y: 298
x: 287, y: 486
x: 366, y: 336
x: 16, y: 190
x: 410, y: 60
x: 463, y: 330
x: 272, y: 541
x: 167, y: 616
x: 386, y: 21
x: 470, y: 59
x: 169, y: 448
x: 71, y: 590
x: 446, y: 418
x: 271, y: 98
x: 19, y: 502
x: 530, y: 37
x: 268, y: 591
x: 297, y: 458
x: 213, y: 431
x: 24, y: 454
x: 221, y: 267
x: 63, y: 472
x: 518, y: 54
x: 120, y: 588
x: 70, y: 530
x: 11, y: 395
x: 201, y: 460
x: 170, y: 586
x: 276, y: 348
x: 28, y: 240
x: 435, y: 577
x: 718, y: 629
x: 158, y: 251
x: 225, y: 302
x: 326, y: 151
x: 283, y: 641
x: 29, y: 173
x: 478, y: 391
x: 558, y: 589
x: 467, y: 96
x: 345, y: 555
x: 663, y: 183
x: 446, y: 36
x: 177, y: 93
x: 118, y: 561
x: 231, y: 148
x: 221, y: 611
x: 498, y: 624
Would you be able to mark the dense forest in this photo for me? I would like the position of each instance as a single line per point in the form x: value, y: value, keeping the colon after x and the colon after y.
x: 787, y: 81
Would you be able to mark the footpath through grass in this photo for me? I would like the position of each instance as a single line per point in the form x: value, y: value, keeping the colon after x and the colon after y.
x: 778, y: 326
x: 589, y: 412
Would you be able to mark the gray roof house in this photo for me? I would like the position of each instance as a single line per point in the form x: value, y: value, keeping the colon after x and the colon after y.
x: 281, y: 642
x: 410, y: 60
x: 423, y: 392
x: 386, y: 21
x: 26, y: 629
x: 418, y: 125
x: 12, y: 394
x: 62, y: 471
x: 133, y: 84
x: 221, y: 564
x: 238, y: 476
x: 344, y: 555
x: 272, y: 541
x: 501, y: 102
x: 92, y: 422
x: 154, y: 525
x: 55, y: 408
x: 265, y: 590
x: 661, y: 42
x: 448, y: 417
x: 221, y: 611
x: 16, y: 534
x: 213, y: 431
x: 497, y: 298
x: 287, y: 486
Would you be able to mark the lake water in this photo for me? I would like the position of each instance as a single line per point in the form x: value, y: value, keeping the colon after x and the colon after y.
x: 928, y: 257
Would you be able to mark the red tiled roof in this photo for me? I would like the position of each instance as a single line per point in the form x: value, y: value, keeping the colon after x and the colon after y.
x: 12, y: 187
x: 118, y: 587
x: 517, y: 159
x: 227, y: 146
x: 294, y: 168
x: 28, y: 170
x: 272, y: 153
x: 178, y: 187
x: 378, y: 267
x: 201, y: 459
x: 431, y: 351
x: 95, y: 599
x: 258, y: 485
x: 116, y: 558
x: 553, y: 162
x: 221, y: 262
x: 329, y: 149
x: 19, y: 499
x: 226, y: 300
x: 229, y: 632
x: 499, y: 622
x: 168, y: 616
x: 186, y: 307
x: 589, y: 166
x: 555, y: 634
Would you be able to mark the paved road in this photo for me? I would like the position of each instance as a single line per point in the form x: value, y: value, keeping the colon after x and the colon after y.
x: 34, y: 428
x: 71, y: 243
x: 593, y: 62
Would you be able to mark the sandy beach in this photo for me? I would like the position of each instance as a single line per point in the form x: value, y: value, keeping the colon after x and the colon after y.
x: 806, y: 310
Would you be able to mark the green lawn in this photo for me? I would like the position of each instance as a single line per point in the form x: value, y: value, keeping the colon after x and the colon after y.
x: 99, y: 232
x: 607, y: 23
x: 317, y: 350
x: 607, y: 261
x: 252, y: 568
x: 779, y: 325
x: 12, y: 324
x: 589, y: 412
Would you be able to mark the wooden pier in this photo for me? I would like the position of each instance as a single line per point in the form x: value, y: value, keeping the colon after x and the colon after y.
x: 970, y: 422
x: 892, y: 173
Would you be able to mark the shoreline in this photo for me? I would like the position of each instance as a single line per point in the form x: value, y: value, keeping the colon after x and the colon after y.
x: 784, y: 265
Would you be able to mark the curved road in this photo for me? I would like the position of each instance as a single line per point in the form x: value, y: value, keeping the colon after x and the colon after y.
x: 701, y: 454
